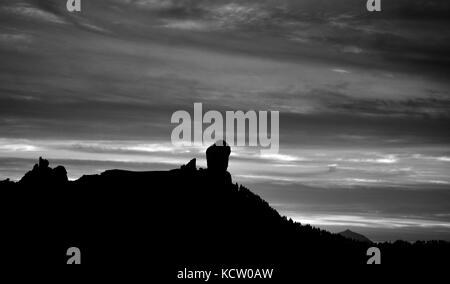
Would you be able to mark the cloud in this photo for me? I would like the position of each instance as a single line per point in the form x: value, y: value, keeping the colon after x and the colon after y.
x: 387, y: 159
x: 341, y: 71
x: 151, y: 4
x: 281, y: 157
x: 424, y: 157
x: 15, y: 38
x: 188, y: 25
x: 33, y: 13
x: 17, y: 147
x: 352, y: 49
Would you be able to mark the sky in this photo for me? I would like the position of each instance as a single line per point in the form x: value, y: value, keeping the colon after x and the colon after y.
x: 364, y: 99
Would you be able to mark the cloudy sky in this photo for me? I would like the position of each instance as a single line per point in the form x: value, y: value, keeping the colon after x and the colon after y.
x: 364, y: 98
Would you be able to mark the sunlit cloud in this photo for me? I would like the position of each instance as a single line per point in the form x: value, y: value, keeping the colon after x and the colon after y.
x: 18, y: 148
x: 387, y: 159
x: 370, y: 221
x: 188, y: 25
x: 425, y: 157
x: 342, y: 71
x: 438, y: 182
x: 281, y: 157
x: 272, y: 178
x: 363, y: 180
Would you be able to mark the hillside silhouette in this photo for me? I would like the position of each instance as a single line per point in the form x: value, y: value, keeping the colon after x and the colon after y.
x: 170, y: 218
x: 355, y: 236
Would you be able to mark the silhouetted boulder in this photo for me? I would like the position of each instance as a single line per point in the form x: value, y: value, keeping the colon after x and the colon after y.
x: 217, y: 156
x: 59, y: 174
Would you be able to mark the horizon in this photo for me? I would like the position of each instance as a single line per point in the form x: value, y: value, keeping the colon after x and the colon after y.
x: 363, y: 99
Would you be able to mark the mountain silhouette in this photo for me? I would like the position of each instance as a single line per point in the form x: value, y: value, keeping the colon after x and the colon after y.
x: 354, y: 236
x: 171, y: 218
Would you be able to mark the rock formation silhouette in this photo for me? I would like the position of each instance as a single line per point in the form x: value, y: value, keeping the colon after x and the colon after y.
x: 217, y: 156
x: 171, y: 219
x: 42, y: 174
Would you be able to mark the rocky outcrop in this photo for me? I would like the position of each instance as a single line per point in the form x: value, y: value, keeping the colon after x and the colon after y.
x: 190, y: 167
x: 217, y: 156
x: 42, y: 174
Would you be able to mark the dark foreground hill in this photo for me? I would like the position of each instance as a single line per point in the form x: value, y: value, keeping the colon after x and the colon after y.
x: 184, y: 216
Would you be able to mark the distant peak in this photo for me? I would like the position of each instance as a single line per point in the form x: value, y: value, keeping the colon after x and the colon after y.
x: 354, y: 236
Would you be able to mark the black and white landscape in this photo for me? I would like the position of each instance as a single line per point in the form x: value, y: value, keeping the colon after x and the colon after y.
x: 364, y: 103
x: 168, y: 220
